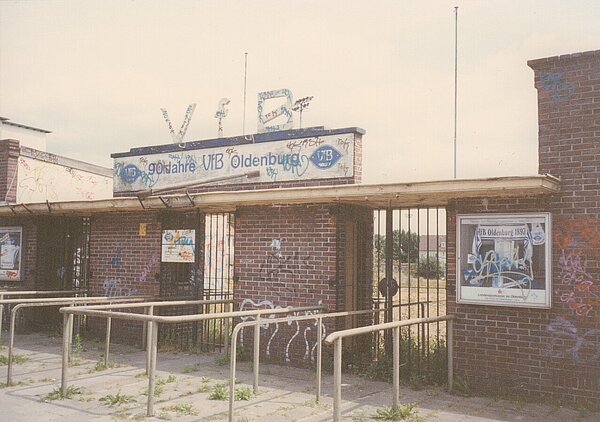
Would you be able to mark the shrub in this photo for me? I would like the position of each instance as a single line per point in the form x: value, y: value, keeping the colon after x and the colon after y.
x: 430, y: 267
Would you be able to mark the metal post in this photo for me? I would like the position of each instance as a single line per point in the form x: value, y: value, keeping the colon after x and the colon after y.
x: 70, y: 335
x: 107, y: 345
x: 319, y: 352
x: 226, y: 330
x: 255, y: 361
x: 153, y: 328
x: 450, y: 351
x: 1, y: 312
x: 396, y: 370
x: 232, y: 374
x: 337, y: 380
x: 65, y: 355
x: 145, y: 332
x: 11, y: 343
x: 149, y: 340
x: 389, y: 269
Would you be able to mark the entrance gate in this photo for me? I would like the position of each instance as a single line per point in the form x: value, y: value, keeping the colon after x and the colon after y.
x: 208, y: 277
x: 409, y: 280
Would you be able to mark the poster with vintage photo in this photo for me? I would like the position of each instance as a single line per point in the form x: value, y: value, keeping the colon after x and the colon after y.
x: 504, y: 259
x: 178, y: 245
x: 10, y: 253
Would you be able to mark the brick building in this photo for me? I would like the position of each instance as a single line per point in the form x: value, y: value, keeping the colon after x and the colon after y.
x: 281, y: 219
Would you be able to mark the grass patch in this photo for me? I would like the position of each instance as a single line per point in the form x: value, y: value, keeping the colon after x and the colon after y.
x: 243, y: 393
x: 182, y: 409
x: 462, y: 387
x: 404, y: 412
x: 219, y: 392
x: 101, y: 366
x: 222, y: 359
x: 191, y: 368
x: 57, y: 394
x: 204, y: 388
x: 17, y: 359
x: 113, y: 400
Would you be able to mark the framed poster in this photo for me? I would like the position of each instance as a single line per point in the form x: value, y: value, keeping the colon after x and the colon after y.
x: 178, y: 245
x: 10, y: 253
x: 504, y: 260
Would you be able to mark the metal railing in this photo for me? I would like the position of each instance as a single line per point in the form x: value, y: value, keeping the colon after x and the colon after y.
x: 256, y: 352
x: 152, y: 333
x: 49, y: 303
x: 337, y: 337
x: 6, y: 293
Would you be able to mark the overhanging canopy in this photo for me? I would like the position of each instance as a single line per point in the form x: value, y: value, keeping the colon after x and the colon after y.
x: 396, y: 195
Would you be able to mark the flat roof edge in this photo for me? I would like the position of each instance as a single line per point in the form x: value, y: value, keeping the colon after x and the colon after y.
x: 239, y: 140
x: 433, y: 193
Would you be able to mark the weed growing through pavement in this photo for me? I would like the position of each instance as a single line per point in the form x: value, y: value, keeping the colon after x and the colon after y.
x: 17, y: 359
x: 219, y: 392
x: 404, y: 412
x: 243, y: 393
x: 118, y: 399
x: 58, y: 395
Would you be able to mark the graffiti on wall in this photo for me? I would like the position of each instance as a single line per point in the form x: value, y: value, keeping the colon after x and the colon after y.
x: 114, y: 286
x: 278, y: 266
x: 572, y: 335
x: 559, y: 89
x: 154, y: 259
x: 300, y: 335
x: 39, y: 181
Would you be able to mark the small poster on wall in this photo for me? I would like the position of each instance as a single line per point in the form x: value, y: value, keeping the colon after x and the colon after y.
x: 10, y: 253
x: 504, y: 260
x: 178, y: 245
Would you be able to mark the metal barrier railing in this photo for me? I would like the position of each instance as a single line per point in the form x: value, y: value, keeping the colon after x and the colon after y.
x: 49, y: 303
x: 256, y: 356
x: 149, y: 310
x: 152, y: 333
x: 337, y: 337
x: 5, y: 293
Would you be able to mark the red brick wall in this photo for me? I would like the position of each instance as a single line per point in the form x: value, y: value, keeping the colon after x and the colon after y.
x: 555, y: 353
x: 9, y: 156
x: 307, y: 269
x: 124, y: 263
x: 302, y: 272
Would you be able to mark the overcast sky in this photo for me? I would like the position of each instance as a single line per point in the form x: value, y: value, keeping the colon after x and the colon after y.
x: 96, y: 73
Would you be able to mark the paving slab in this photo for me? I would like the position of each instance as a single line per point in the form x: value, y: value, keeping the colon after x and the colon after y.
x: 185, y: 383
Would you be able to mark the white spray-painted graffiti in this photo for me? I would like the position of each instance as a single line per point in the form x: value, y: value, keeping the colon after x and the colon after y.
x: 569, y: 342
x: 154, y: 259
x: 114, y: 286
x: 310, y: 344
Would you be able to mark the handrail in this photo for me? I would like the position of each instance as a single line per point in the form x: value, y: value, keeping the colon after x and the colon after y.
x: 152, y: 334
x: 4, y: 293
x: 255, y: 364
x: 66, y: 301
x: 338, y: 336
x: 162, y: 303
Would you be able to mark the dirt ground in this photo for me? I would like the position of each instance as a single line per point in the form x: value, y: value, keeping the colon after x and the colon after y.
x: 187, y: 381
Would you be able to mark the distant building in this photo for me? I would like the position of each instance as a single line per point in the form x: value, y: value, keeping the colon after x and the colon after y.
x: 30, y: 174
x: 433, y: 246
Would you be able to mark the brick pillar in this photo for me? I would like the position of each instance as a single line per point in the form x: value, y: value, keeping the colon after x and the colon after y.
x: 9, y: 156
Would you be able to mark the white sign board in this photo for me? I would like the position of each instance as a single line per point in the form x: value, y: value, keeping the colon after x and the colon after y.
x: 319, y: 157
x: 178, y: 246
x: 504, y: 260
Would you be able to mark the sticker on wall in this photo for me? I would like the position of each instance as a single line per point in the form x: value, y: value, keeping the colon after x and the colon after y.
x: 10, y: 253
x: 178, y: 245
